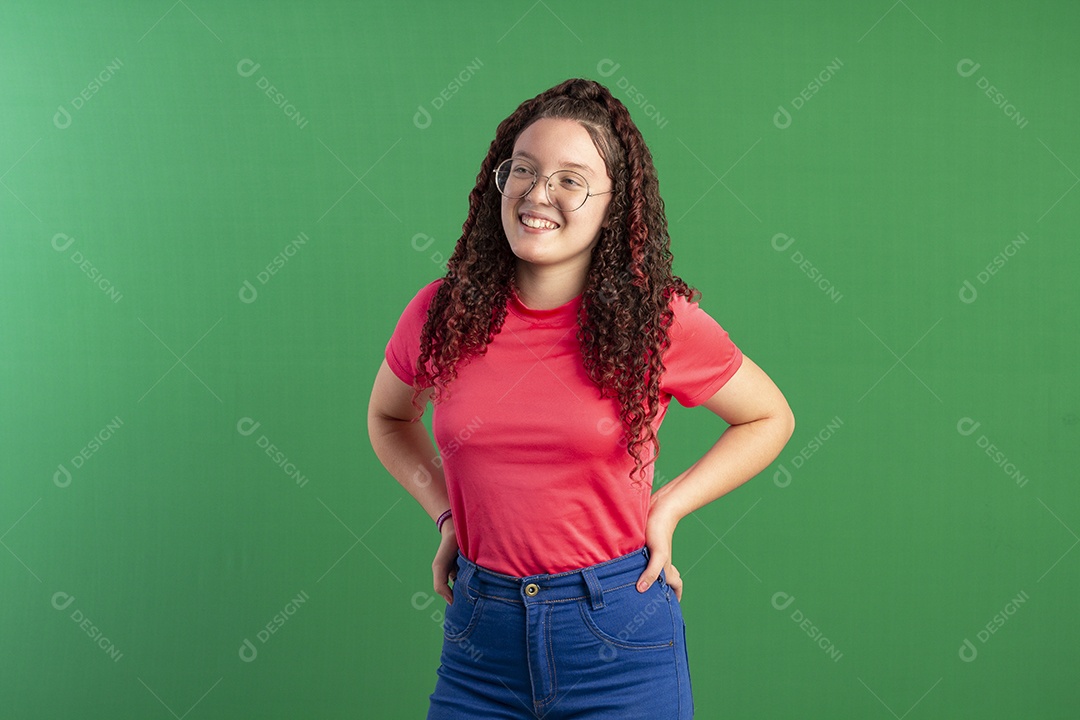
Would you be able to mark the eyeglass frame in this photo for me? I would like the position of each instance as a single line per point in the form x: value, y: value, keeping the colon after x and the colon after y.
x: 547, y: 186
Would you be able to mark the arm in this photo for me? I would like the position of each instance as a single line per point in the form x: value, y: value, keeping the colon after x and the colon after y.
x: 760, y: 424
x: 402, y: 444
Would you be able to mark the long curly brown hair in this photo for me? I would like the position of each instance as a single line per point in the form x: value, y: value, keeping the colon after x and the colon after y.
x: 625, y: 311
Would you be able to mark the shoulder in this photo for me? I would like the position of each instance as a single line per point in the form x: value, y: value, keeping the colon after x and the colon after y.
x: 428, y: 291
x: 700, y: 356
x: 414, y: 315
x: 688, y: 318
x: 422, y: 300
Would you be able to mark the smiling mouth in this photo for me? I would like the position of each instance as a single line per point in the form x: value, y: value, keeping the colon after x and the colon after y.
x: 537, y: 223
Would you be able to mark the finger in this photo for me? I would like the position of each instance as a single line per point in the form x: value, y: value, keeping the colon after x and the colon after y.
x: 676, y: 584
x: 674, y: 581
x: 445, y: 593
x: 442, y: 588
x: 652, y: 571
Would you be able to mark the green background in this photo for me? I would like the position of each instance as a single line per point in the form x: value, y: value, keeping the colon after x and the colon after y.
x: 177, y: 179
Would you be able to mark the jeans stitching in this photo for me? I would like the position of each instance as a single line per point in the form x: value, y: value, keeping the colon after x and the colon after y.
x: 474, y: 620
x: 611, y: 640
x: 551, y: 661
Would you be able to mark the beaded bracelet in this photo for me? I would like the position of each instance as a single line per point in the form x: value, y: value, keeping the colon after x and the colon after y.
x: 442, y: 518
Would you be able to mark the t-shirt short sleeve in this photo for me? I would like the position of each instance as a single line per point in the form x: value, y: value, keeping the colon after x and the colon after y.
x: 701, y: 357
x: 404, y: 346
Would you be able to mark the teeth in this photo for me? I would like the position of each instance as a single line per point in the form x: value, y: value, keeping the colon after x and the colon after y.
x: 538, y: 223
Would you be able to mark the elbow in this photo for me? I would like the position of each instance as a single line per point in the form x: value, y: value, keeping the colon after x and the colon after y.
x: 785, y: 422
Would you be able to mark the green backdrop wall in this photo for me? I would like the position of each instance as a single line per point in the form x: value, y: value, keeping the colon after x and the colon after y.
x: 213, y: 213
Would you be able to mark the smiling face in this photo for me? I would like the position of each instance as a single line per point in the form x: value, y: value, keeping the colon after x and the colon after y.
x: 540, y: 235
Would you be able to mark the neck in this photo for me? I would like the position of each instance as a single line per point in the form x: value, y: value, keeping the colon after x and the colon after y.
x: 547, y: 288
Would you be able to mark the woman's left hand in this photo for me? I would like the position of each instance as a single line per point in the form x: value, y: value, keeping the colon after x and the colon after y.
x: 659, y: 530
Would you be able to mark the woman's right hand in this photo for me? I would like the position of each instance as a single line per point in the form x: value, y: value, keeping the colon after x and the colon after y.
x: 444, y: 567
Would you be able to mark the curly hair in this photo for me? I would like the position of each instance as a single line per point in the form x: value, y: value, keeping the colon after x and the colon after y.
x: 625, y: 310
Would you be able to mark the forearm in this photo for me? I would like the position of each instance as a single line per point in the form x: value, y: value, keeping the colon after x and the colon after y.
x: 407, y: 453
x: 741, y: 452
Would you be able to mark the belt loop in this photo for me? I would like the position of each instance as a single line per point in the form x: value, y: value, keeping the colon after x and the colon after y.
x: 465, y: 575
x: 596, y: 593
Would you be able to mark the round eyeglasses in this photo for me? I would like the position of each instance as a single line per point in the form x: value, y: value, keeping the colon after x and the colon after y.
x: 566, y: 190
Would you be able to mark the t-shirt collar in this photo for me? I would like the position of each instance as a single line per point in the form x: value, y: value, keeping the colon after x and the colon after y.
x: 563, y: 314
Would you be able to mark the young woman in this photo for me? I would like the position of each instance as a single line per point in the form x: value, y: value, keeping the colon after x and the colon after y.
x: 550, y: 352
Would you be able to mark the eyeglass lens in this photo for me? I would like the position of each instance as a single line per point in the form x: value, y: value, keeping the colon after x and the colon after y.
x: 566, y: 189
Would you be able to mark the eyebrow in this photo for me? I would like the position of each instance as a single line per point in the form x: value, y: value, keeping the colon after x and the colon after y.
x: 564, y: 164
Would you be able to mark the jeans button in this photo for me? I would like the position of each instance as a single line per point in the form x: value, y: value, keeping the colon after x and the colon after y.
x: 532, y: 589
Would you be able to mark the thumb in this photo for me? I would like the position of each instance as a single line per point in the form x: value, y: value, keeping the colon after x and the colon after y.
x: 444, y: 591
x: 651, y: 572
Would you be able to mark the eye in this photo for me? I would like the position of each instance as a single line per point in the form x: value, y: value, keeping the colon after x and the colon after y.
x: 571, y: 183
x: 522, y: 171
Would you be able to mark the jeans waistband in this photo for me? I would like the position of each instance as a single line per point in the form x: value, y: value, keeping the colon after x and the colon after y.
x: 588, y: 582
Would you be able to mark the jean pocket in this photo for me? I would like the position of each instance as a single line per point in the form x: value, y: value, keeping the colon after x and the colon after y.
x: 632, y: 620
x: 462, y: 615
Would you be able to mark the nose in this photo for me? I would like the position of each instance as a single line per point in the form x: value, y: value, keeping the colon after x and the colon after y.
x: 538, y: 194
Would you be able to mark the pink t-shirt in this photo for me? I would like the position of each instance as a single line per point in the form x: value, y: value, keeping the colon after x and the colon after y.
x: 538, y: 479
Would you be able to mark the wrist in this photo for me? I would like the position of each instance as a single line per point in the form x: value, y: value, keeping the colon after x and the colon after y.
x: 443, y: 519
x: 664, y: 507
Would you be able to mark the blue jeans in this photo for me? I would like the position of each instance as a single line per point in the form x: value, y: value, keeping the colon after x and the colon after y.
x: 579, y: 644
